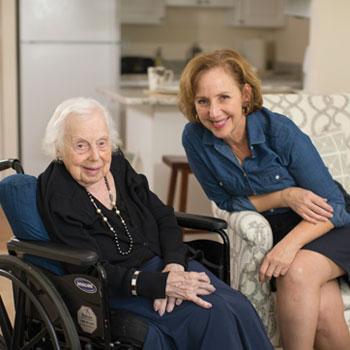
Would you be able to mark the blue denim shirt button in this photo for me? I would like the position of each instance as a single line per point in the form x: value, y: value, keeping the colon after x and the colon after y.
x: 220, y: 183
x: 272, y: 210
x: 244, y: 174
x: 277, y: 177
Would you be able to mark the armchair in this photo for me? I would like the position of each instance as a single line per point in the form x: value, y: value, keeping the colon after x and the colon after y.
x: 326, y: 119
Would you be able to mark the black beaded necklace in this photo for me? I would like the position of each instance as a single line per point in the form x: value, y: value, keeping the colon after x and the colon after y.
x: 104, y: 219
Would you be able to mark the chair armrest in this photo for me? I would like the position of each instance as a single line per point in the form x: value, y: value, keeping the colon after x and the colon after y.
x: 251, y: 226
x: 251, y: 238
x: 54, y: 251
x: 200, y: 222
x: 11, y: 163
x: 209, y: 224
x: 205, y: 223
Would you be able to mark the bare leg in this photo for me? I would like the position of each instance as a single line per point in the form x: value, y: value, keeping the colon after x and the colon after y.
x: 299, y: 298
x: 332, y: 331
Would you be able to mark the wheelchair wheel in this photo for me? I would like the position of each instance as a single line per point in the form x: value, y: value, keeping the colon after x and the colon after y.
x: 2, y: 343
x: 38, y: 318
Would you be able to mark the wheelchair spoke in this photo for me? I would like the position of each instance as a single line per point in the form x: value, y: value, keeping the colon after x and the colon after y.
x: 25, y: 291
x: 35, y: 340
x: 5, y: 324
x: 41, y: 319
x: 18, y: 333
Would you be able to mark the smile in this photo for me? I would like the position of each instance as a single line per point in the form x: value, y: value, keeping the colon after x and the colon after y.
x: 220, y: 123
x: 92, y: 170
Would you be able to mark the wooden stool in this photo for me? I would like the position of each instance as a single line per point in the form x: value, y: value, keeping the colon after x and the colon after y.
x: 178, y: 163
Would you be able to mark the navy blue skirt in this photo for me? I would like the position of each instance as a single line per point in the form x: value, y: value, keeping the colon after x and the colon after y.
x: 231, y: 323
x: 335, y: 244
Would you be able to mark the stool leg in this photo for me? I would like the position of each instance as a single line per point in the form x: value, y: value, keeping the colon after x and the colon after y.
x: 183, y: 190
x: 172, y: 186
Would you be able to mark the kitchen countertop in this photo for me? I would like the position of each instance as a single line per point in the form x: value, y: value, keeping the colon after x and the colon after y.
x: 138, y: 96
x: 142, y: 96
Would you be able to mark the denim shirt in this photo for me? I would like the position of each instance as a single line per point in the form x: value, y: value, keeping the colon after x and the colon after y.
x: 282, y: 156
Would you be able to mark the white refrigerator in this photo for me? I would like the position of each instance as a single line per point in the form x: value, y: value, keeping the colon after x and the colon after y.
x: 67, y: 49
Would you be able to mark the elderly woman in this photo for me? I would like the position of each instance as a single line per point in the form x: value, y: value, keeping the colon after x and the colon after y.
x: 90, y: 197
x: 249, y: 158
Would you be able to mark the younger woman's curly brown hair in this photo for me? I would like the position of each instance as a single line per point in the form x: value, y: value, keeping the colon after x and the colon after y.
x: 233, y: 63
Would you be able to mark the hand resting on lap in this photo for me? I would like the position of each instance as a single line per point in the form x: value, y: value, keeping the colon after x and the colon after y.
x: 182, y: 285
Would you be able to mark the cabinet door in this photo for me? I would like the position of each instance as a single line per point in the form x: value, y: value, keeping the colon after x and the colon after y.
x: 299, y: 8
x: 142, y: 12
x: 182, y: 3
x: 200, y: 3
x: 256, y: 13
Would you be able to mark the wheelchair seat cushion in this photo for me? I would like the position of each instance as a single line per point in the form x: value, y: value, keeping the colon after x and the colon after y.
x: 18, y: 200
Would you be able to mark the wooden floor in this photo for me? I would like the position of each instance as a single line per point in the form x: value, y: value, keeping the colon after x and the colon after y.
x: 5, y: 231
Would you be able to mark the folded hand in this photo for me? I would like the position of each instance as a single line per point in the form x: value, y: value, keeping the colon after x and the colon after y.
x: 168, y: 303
x: 308, y: 205
x: 188, y: 286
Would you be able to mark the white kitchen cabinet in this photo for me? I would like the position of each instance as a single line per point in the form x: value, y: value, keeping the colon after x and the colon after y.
x: 142, y: 11
x: 298, y: 8
x: 200, y: 3
x: 256, y: 13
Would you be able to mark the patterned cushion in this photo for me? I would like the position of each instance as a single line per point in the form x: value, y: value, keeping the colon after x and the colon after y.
x: 333, y: 150
x: 314, y: 114
x: 318, y: 116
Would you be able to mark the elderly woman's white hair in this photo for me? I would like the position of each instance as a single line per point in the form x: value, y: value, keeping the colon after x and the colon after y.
x: 53, y: 138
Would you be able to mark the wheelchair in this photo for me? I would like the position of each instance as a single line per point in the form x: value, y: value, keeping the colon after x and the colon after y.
x: 55, y: 310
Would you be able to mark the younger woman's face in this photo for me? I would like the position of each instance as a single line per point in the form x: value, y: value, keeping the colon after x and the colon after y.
x: 219, y: 102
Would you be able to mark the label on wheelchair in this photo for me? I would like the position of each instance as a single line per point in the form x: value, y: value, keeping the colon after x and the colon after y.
x: 87, y: 319
x: 85, y: 285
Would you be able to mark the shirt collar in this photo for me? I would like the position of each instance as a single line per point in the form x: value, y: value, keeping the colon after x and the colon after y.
x: 255, y: 128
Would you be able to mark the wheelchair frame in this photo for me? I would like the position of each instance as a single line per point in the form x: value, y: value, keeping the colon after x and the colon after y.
x: 72, y: 311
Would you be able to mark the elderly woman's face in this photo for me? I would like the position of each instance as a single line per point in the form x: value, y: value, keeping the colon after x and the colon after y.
x: 87, y: 149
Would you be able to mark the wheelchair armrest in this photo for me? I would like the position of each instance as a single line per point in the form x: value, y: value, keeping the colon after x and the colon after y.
x: 209, y: 224
x: 11, y: 163
x: 200, y: 222
x: 54, y: 251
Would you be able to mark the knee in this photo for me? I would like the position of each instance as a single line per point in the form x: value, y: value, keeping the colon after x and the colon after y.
x: 296, y: 279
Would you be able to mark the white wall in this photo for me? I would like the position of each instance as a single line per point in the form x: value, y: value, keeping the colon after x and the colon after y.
x: 8, y: 82
x: 329, y: 53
